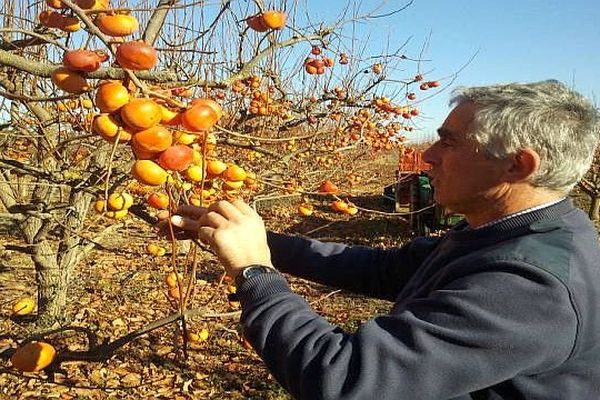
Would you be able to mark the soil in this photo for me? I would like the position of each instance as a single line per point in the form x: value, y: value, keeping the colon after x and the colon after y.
x: 120, y: 288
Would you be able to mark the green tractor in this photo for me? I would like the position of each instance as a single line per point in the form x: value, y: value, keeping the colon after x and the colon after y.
x: 412, y: 194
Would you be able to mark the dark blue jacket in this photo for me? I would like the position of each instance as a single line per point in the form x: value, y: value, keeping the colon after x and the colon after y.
x: 511, y: 311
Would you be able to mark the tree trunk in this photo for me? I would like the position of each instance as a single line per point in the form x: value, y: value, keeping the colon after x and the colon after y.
x: 52, y: 283
x: 594, y: 211
x: 54, y: 265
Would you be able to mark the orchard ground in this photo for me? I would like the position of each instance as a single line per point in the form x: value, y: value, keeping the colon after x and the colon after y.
x: 121, y: 288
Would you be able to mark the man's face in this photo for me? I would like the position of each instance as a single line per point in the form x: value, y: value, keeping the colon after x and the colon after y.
x: 465, y: 180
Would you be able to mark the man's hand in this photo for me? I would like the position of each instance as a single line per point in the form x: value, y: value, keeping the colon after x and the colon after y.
x: 234, y: 231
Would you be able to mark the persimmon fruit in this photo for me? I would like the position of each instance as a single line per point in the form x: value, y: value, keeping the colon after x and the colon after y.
x: 215, y: 167
x: 69, y: 81
x: 305, y: 209
x: 149, y: 173
x: 234, y: 173
x: 211, y: 103
x: 154, y: 139
x: 117, y: 25
x: 109, y: 128
x: 199, y: 117
x: 136, y: 55
x: 339, y: 205
x: 111, y: 96
x: 141, y: 113
x: 256, y: 23
x: 33, y: 357
x: 174, y: 279
x: 23, y: 306
x: 176, y: 158
x: 328, y: 187
x: 120, y: 201
x: 84, y: 60
x: 274, y: 19
x: 157, y: 200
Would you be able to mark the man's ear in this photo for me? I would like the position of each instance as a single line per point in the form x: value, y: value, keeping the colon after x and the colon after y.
x: 523, y: 165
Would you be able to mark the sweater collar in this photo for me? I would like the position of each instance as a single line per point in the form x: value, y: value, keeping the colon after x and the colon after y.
x: 538, y: 220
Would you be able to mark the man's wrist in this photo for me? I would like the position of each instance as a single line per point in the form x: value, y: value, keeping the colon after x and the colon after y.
x: 252, y: 270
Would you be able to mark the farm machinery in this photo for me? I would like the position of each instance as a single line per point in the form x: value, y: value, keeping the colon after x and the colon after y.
x: 412, y: 195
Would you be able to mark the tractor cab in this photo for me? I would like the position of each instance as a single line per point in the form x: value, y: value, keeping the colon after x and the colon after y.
x: 412, y: 194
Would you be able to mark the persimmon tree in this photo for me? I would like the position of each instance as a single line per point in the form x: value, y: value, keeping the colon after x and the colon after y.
x: 590, y: 185
x: 130, y: 108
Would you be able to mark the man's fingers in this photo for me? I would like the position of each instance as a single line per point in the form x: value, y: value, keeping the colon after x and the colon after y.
x: 185, y: 223
x: 190, y: 211
x: 205, y: 234
x: 213, y: 219
x: 226, y: 209
x: 243, y: 207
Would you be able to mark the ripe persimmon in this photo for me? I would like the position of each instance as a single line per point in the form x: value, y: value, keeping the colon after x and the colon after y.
x: 23, y: 306
x: 234, y: 173
x: 211, y: 103
x: 57, y: 4
x: 50, y: 18
x: 141, y: 113
x: 109, y: 128
x: 154, y: 139
x: 168, y: 116
x: 120, y: 201
x: 176, y: 158
x: 157, y: 200
x: 69, y: 81
x: 155, y: 250
x: 305, y: 209
x: 141, y: 154
x: 339, y: 205
x: 274, y: 19
x: 232, y: 185
x: 117, y: 24
x: 174, y: 279
x: 118, y: 215
x: 111, y: 96
x: 33, y: 357
x: 136, y: 55
x: 100, y: 206
x: 195, y: 173
x: 184, y: 138
x: 149, y: 173
x: 351, y: 210
x: 328, y: 187
x: 200, y: 117
x: 84, y: 60
x: 69, y: 24
x: 215, y: 167
x: 256, y: 23
x: 174, y: 293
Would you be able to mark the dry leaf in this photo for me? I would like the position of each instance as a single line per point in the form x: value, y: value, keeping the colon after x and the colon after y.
x: 131, y: 379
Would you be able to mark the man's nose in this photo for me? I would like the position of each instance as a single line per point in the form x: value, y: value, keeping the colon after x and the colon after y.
x: 429, y: 155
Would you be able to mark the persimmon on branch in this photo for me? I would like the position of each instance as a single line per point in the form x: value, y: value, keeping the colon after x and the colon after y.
x: 44, y: 70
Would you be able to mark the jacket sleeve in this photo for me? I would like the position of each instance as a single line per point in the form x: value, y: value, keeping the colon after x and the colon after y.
x: 471, y: 333
x: 370, y: 271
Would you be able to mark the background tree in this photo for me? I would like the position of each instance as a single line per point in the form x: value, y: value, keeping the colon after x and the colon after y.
x: 298, y: 106
x: 590, y: 185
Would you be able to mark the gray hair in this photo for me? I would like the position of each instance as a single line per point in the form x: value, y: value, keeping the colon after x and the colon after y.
x: 558, y: 123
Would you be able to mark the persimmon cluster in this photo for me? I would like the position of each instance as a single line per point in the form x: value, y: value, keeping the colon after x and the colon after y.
x: 317, y: 65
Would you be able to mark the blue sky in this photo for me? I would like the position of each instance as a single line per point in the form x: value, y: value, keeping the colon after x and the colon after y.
x: 525, y: 40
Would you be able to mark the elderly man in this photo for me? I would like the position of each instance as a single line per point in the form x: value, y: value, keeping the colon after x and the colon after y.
x: 503, y: 306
